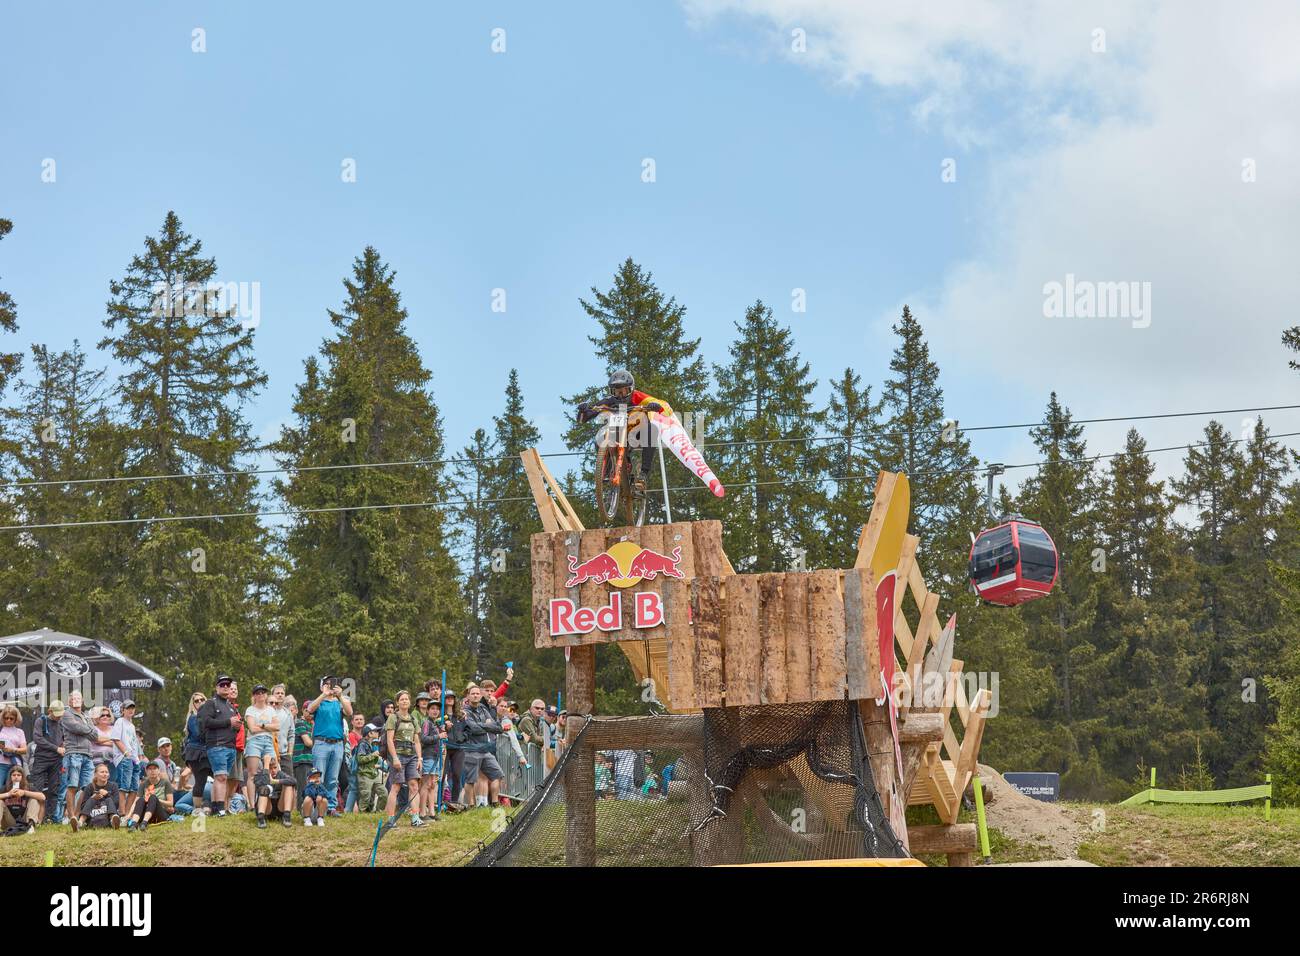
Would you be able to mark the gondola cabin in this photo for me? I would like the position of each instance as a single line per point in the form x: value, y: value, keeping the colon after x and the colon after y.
x: 1013, y: 562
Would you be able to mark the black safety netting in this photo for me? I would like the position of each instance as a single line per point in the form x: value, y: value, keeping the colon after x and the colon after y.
x: 777, y: 783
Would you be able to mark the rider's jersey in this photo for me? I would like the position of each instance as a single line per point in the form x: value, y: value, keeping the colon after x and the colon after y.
x: 640, y: 398
x: 635, y: 400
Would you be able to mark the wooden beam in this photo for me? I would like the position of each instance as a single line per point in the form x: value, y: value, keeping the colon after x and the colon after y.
x: 955, y: 838
x: 537, y: 485
x: 567, y: 514
x: 742, y: 641
x: 772, y: 637
x: 798, y: 653
x: 707, y: 634
x: 920, y: 727
x: 580, y: 771
x: 826, y: 635
x: 879, y: 508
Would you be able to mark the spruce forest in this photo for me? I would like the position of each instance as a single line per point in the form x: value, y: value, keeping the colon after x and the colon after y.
x: 1172, y: 638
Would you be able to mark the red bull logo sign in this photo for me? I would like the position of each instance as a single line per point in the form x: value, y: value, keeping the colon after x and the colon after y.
x: 624, y: 565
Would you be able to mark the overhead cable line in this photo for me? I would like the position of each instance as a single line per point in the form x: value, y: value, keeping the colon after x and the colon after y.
x: 489, y: 501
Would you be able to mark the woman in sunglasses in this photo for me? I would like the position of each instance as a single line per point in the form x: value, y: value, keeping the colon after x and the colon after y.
x: 195, y: 752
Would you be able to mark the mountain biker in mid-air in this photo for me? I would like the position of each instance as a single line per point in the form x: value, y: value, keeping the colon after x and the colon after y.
x: 622, y: 391
x: 659, y: 413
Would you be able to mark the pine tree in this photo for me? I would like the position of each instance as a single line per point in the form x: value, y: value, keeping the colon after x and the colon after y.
x: 765, y: 419
x: 509, y: 619
x: 1063, y: 496
x: 371, y: 591
x: 1257, y: 639
x: 10, y: 362
x: 473, y: 512
x: 645, y: 333
x: 1155, y: 707
x: 61, y: 432
x: 853, y: 457
x: 1282, y: 739
x: 1208, y: 488
x: 191, y: 596
x: 921, y: 441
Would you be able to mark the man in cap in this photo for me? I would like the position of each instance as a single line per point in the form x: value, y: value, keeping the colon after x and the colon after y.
x: 171, y: 769
x: 128, y: 757
x: 220, y: 722
x: 47, y: 759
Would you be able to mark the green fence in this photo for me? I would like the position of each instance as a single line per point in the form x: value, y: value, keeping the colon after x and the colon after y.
x: 1238, y: 795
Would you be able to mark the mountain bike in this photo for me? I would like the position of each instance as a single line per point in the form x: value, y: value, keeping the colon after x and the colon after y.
x: 618, y: 494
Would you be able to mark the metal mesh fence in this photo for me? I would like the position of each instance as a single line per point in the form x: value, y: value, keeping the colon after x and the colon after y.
x: 734, y: 785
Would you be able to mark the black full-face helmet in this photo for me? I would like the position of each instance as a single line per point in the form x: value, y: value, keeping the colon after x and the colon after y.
x: 621, y: 382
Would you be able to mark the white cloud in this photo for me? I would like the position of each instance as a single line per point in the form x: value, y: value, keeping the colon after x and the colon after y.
x: 1135, y: 175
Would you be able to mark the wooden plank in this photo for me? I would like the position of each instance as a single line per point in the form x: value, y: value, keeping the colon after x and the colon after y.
x: 652, y: 537
x: 543, y: 572
x: 860, y: 633
x: 708, y: 641
x: 679, y: 534
x: 710, y: 560
x: 533, y: 470
x: 742, y: 642
x: 772, y: 636
x: 945, y: 799
x: 970, y: 745
x: 681, y: 645
x: 879, y: 508
x: 906, y: 563
x: 916, y: 654
x: 567, y: 515
x: 925, y: 629
x: 954, y: 693
x: 580, y: 772
x: 949, y: 697
x: 564, y: 545
x: 826, y: 635
x: 798, y: 652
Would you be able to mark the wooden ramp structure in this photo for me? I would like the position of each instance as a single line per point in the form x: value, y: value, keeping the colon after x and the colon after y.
x: 708, y: 638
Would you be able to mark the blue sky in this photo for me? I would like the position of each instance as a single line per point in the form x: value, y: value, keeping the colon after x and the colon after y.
x: 522, y: 170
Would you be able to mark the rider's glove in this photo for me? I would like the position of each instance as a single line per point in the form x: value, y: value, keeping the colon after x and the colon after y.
x: 652, y: 407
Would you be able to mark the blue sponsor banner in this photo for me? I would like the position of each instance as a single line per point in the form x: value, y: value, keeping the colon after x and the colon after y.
x: 1040, y: 786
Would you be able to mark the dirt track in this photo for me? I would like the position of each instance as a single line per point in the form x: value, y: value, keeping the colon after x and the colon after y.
x: 1054, y: 826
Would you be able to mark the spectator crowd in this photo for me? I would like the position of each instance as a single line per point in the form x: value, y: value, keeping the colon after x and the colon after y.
x: 415, y: 756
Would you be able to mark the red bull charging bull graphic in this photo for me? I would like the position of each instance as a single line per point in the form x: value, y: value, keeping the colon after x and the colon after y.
x: 624, y: 565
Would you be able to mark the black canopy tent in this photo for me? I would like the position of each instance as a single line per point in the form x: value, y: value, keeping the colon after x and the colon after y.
x: 37, y: 666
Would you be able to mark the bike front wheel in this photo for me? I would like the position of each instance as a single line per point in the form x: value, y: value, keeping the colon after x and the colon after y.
x: 607, y: 488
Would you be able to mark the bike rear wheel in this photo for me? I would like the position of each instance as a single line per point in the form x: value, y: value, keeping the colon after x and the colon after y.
x: 634, y: 500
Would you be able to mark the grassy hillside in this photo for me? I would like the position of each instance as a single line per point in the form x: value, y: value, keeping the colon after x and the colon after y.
x: 236, y: 841
x: 1130, y: 836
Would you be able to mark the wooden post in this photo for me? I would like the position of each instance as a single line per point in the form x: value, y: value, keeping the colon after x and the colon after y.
x: 580, y: 773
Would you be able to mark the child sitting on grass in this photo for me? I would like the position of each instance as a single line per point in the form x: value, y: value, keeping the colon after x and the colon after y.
x: 313, y: 796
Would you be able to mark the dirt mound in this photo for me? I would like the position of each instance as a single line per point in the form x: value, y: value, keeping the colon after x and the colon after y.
x: 1048, y: 825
